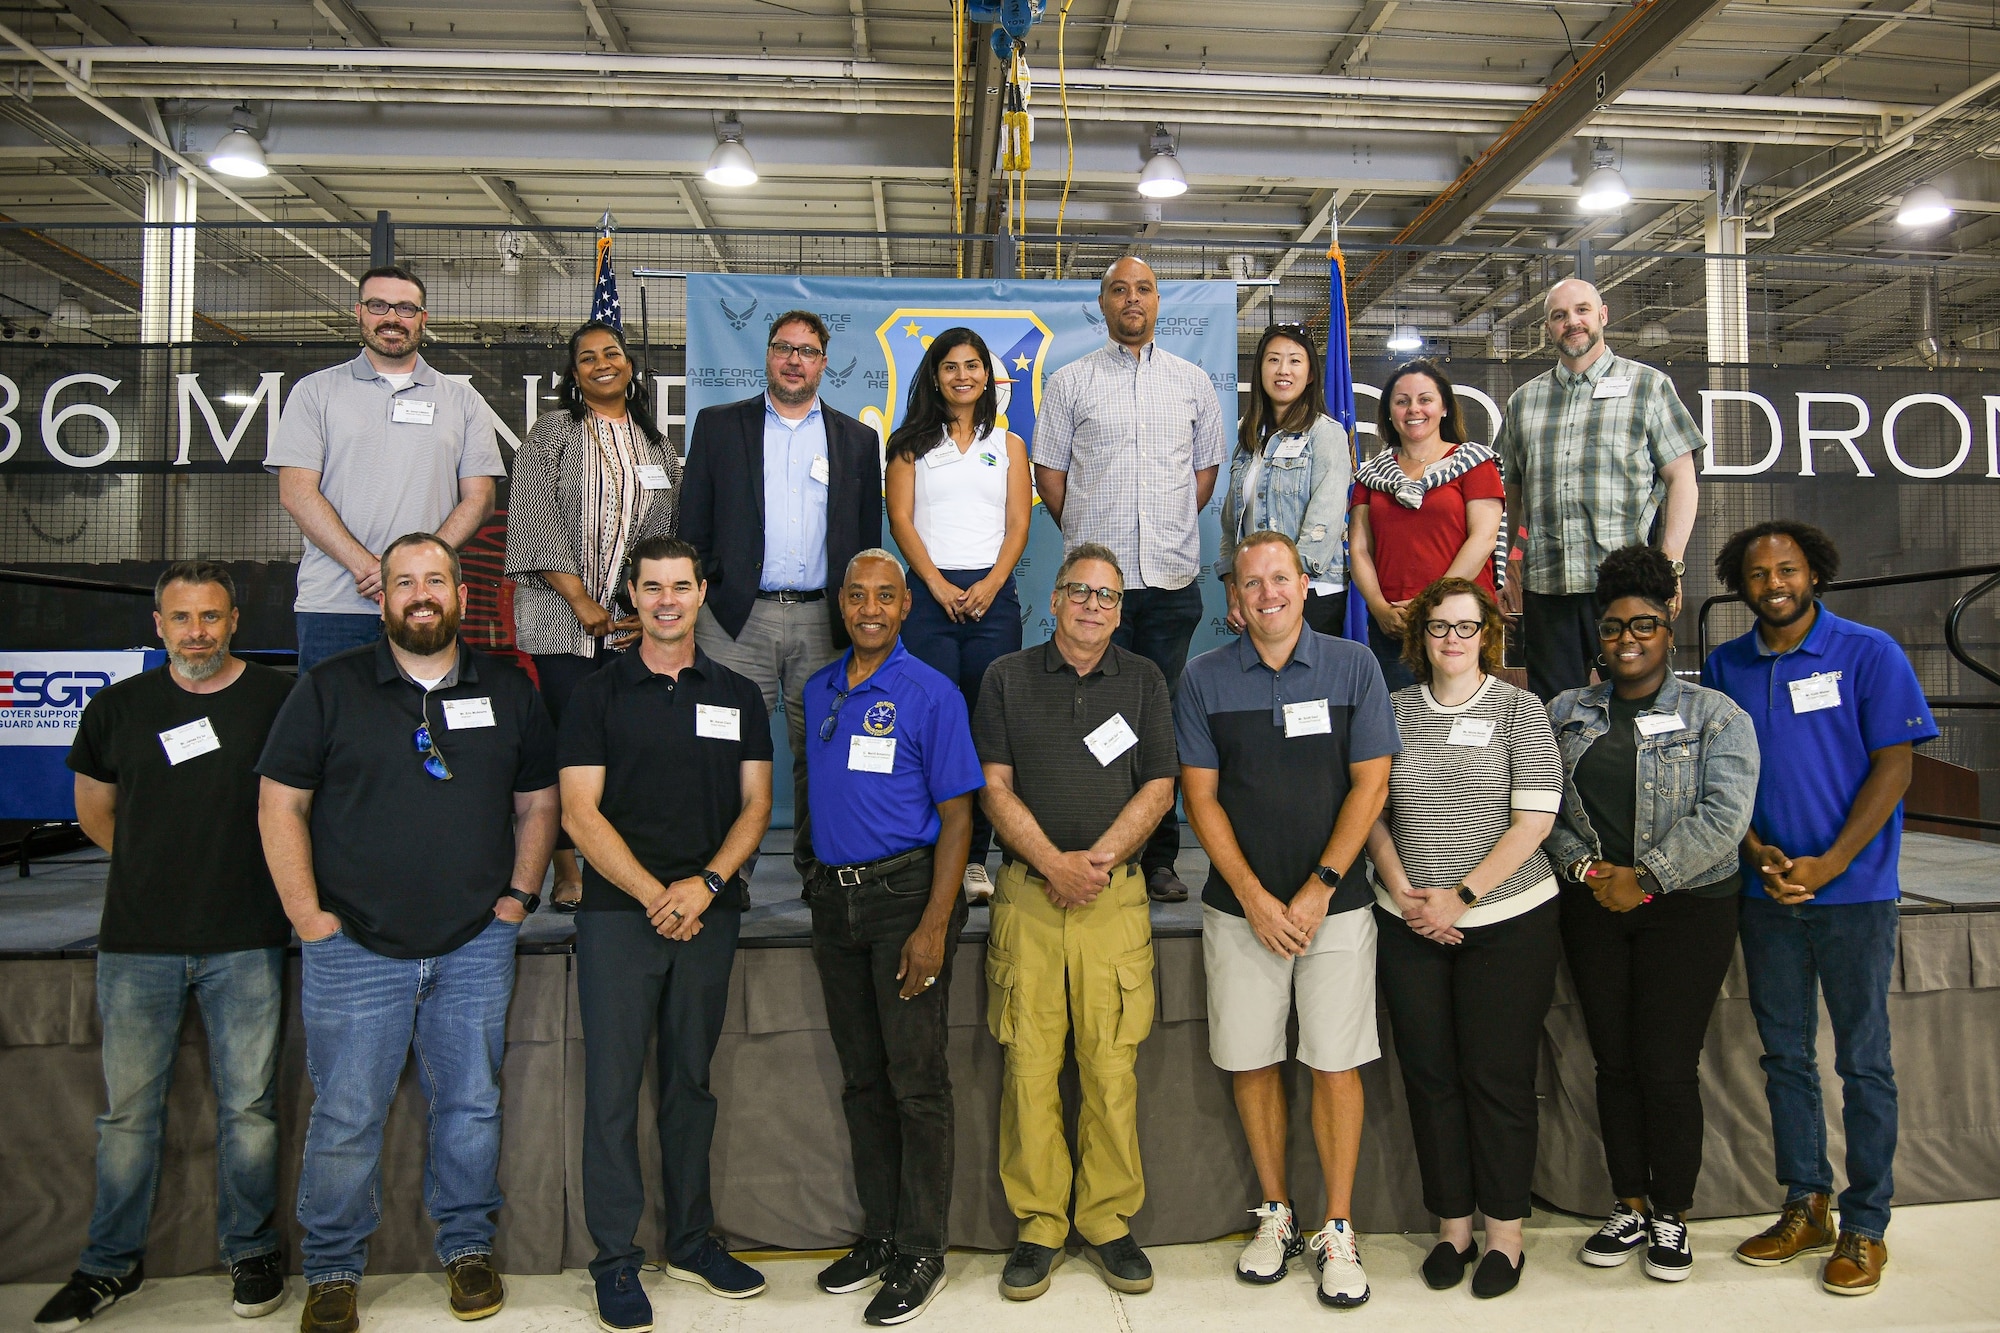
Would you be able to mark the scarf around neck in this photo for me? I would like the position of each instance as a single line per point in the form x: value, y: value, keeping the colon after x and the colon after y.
x: 1383, y: 473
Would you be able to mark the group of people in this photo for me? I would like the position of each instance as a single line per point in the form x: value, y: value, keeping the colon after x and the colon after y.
x: 1391, y: 818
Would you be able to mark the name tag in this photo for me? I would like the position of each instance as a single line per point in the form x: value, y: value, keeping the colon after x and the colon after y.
x: 653, y: 477
x: 718, y: 724
x: 1612, y: 386
x: 871, y: 754
x: 820, y: 471
x: 188, y: 740
x: 1476, y: 732
x: 1290, y: 448
x: 1110, y: 740
x: 1308, y: 719
x: 465, y: 714
x: 1659, y: 724
x: 943, y: 456
x: 1814, y: 693
x: 413, y: 413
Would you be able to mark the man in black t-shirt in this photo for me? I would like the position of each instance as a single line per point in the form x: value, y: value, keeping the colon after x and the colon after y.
x: 666, y: 783
x: 408, y: 812
x: 165, y: 783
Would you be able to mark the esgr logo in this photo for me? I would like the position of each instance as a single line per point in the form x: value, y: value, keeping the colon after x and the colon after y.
x: 50, y: 689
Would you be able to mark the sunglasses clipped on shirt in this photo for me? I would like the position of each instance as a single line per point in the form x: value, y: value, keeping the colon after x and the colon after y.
x: 434, y: 763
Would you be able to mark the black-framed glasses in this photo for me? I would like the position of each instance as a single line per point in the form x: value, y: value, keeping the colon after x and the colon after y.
x: 1642, y: 627
x: 833, y: 715
x: 805, y: 352
x: 1464, y: 629
x: 1083, y: 592
x: 434, y: 763
x: 407, y: 309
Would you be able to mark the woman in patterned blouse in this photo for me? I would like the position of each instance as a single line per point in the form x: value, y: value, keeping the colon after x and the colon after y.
x: 589, y: 483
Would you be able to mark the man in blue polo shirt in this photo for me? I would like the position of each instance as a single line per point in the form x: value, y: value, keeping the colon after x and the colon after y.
x: 890, y: 773
x: 1838, y: 711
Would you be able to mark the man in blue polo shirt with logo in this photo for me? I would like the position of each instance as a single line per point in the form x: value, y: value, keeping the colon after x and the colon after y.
x: 1838, y: 711
x: 890, y: 773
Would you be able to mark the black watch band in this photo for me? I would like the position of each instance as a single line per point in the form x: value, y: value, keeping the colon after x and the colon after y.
x: 529, y: 901
x: 1328, y: 876
x: 716, y: 883
x: 1466, y: 895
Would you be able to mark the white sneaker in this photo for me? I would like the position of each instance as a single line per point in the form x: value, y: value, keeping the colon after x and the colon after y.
x: 1276, y: 1243
x: 1342, y: 1284
x: 978, y: 886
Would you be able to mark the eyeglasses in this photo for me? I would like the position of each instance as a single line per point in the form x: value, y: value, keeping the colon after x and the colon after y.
x: 1464, y: 629
x: 407, y: 309
x: 805, y: 352
x: 1082, y: 592
x: 1642, y: 627
x: 833, y: 716
x: 434, y: 763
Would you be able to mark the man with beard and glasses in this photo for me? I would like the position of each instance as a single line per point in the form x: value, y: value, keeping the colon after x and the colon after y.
x: 1838, y: 712
x: 781, y: 490
x: 1597, y: 453
x: 166, y: 783
x: 408, y: 812
x: 372, y: 449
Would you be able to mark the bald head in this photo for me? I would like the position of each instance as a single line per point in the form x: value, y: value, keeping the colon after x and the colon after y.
x: 1568, y: 292
x: 1574, y: 316
x: 1129, y: 296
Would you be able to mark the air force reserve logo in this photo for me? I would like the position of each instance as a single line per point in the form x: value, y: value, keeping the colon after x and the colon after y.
x: 737, y: 318
x: 880, y: 719
x: 1018, y: 339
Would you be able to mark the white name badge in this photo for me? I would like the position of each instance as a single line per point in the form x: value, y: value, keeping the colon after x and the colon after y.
x: 1110, y: 740
x: 820, y: 471
x: 188, y: 740
x: 1307, y: 719
x: 943, y: 456
x: 1612, y: 386
x: 718, y: 724
x: 1814, y: 693
x: 1476, y: 732
x: 871, y: 754
x: 465, y: 714
x: 653, y: 477
x: 1659, y: 724
x: 413, y: 413
x: 1290, y: 448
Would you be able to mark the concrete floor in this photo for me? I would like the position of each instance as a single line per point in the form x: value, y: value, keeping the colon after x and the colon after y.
x: 1941, y: 1277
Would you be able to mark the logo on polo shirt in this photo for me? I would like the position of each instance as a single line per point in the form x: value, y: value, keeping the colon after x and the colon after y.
x: 880, y: 719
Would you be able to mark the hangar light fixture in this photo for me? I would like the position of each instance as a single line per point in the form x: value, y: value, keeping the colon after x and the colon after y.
x: 1162, y: 177
x: 730, y: 164
x: 1604, y: 190
x: 1924, y: 206
x: 238, y: 153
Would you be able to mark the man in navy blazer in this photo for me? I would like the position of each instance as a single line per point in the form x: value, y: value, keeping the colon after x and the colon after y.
x: 780, y: 492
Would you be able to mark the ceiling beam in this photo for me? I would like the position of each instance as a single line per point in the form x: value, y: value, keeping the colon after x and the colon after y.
x: 1114, y: 34
x: 987, y: 80
x: 1323, y: 206
x: 97, y: 23
x: 351, y: 22
x: 857, y: 13
x: 606, y: 25
x: 326, y: 201
x: 697, y: 209
x: 1353, y: 48
x: 1835, y: 49
x: 509, y: 201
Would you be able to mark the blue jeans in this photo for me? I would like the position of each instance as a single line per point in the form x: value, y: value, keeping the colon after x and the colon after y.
x: 324, y: 633
x: 141, y: 997
x: 961, y: 651
x: 1396, y: 673
x: 1157, y: 624
x: 363, y: 1013
x: 1788, y: 952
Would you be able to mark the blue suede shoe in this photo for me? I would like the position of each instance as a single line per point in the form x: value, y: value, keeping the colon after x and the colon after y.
x: 622, y: 1306
x: 717, y: 1269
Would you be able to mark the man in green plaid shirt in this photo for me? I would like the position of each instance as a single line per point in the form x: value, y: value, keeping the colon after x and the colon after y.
x: 1598, y: 453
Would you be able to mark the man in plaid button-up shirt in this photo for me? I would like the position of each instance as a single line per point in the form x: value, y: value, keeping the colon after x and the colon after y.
x: 1127, y: 446
x: 1598, y: 453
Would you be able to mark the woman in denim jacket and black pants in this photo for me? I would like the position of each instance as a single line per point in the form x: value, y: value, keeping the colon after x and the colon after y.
x: 1659, y: 780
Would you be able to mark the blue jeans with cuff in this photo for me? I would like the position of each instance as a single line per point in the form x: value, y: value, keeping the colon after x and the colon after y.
x: 961, y: 650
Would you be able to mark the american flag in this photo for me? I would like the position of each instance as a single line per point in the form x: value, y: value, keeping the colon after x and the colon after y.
x: 604, y: 304
x: 1340, y: 398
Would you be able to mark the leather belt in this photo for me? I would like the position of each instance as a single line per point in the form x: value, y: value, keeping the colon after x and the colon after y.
x: 792, y: 595
x: 1032, y: 874
x: 853, y: 876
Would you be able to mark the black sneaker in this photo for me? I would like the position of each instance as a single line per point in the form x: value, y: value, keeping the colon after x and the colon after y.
x: 257, y: 1285
x: 85, y: 1296
x: 859, y: 1267
x: 1026, y: 1275
x: 1124, y: 1265
x: 1621, y: 1237
x: 1670, y: 1256
x: 911, y: 1283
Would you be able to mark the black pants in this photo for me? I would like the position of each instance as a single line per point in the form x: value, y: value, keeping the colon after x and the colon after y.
x: 1157, y: 624
x: 1327, y: 612
x: 631, y: 985
x: 1468, y: 1025
x: 1559, y: 640
x: 896, y: 1086
x: 560, y: 674
x: 1647, y: 980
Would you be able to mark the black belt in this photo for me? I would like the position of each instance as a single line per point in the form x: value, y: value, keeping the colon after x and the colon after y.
x: 1040, y: 878
x: 792, y: 595
x: 849, y: 877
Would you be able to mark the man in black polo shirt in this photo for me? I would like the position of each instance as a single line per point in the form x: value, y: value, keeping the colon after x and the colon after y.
x: 666, y: 783
x: 1076, y: 737
x: 1285, y: 738
x: 408, y: 812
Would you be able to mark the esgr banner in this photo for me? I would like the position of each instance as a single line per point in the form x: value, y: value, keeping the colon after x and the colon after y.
x: 41, y: 701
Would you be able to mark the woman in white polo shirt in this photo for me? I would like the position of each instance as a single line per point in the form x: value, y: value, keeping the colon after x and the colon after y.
x: 959, y: 497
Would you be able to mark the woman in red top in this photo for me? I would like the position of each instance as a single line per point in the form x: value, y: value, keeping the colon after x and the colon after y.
x: 1428, y: 507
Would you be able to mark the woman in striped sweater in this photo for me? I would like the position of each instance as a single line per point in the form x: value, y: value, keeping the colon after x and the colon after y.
x: 1466, y: 910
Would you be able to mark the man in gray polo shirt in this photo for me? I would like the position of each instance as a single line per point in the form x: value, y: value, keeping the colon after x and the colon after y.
x: 369, y: 450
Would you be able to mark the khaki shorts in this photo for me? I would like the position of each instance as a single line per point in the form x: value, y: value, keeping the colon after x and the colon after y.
x: 1250, y: 992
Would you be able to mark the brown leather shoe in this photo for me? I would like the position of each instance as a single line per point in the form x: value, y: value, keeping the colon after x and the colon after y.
x: 476, y: 1289
x: 1803, y: 1228
x: 331, y: 1307
x: 1856, y: 1266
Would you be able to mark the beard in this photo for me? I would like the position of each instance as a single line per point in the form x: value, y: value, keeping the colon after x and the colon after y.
x: 1801, y: 606
x: 1590, y: 342
x: 794, y: 397
x: 204, y: 667
x: 373, y: 340
x: 419, y: 640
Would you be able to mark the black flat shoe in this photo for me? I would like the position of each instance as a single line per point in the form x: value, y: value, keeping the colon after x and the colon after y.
x: 1496, y: 1275
x: 1444, y: 1266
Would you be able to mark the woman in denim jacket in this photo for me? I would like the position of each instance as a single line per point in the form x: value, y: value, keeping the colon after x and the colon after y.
x: 1659, y: 778
x: 1290, y: 474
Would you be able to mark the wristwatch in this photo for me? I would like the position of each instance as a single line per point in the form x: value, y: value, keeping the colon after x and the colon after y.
x: 1328, y: 876
x: 1466, y: 896
x: 529, y: 901
x: 716, y: 884
x: 1647, y: 881
x: 1678, y: 566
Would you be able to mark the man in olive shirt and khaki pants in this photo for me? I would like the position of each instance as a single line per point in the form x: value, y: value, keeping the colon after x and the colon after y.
x: 1076, y: 739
